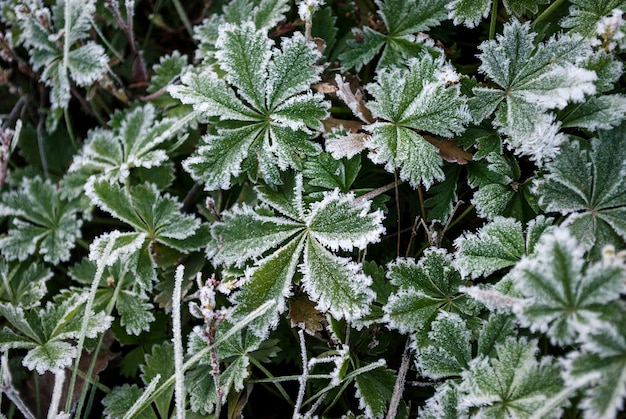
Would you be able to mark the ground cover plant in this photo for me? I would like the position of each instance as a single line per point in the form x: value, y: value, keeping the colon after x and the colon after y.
x: 350, y: 208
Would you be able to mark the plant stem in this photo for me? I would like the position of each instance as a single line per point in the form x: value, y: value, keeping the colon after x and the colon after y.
x: 494, y: 19
x: 303, y: 378
x: 183, y: 16
x: 398, y: 389
x: 6, y: 387
x: 59, y: 379
x: 179, y: 388
x: 83, y: 329
x: 267, y: 372
x: 376, y: 192
x: 546, y: 13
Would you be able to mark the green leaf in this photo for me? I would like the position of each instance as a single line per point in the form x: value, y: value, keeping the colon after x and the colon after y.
x: 144, y: 209
x: 374, y: 390
x: 411, y: 99
x: 267, y: 114
x: 336, y: 283
x: 47, y: 37
x: 43, y: 223
x: 119, y: 401
x: 531, y: 80
x: 160, y: 361
x: 328, y: 173
x: 449, y: 349
x: 425, y: 288
x: 601, y: 369
x: 562, y: 297
x: 498, y: 244
x: 599, y: 112
x: 135, y: 311
x: 500, y: 190
x: 445, y: 404
x: 442, y: 196
x: 136, y: 140
x: 45, y: 331
x: 403, y: 21
x: 336, y: 222
x: 586, y: 186
x: 511, y: 384
x: 468, y: 12
x: 250, y: 235
x: 271, y: 280
x: 584, y: 15
x: 23, y: 285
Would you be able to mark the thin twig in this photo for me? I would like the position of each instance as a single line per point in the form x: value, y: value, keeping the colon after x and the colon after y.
x: 57, y: 392
x: 398, y: 389
x: 179, y: 388
x: 6, y: 387
x: 303, y: 378
x: 399, y: 222
x: 376, y: 192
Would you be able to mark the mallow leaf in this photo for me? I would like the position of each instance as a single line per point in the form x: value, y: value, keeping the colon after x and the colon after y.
x: 424, y: 289
x: 23, y: 284
x: 531, y: 79
x: 263, y: 14
x: 155, y: 219
x: 449, y: 348
x: 409, y: 101
x: 60, y: 47
x: 46, y: 331
x: 512, y: 383
x: 498, y: 244
x: 600, y: 368
x: 301, y: 239
x: 563, y: 298
x: 267, y: 114
x: 42, y: 223
x: 584, y: 15
x: 471, y: 12
x: 399, y: 40
x: 586, y: 186
x: 136, y: 139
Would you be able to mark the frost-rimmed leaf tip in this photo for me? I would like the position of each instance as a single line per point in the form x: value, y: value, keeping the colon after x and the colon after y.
x: 267, y: 114
x: 408, y: 101
x: 532, y: 80
x: 299, y: 240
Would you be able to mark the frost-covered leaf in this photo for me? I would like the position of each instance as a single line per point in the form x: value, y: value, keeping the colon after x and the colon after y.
x: 23, y: 284
x: 532, y: 80
x: 442, y: 196
x: 148, y: 212
x: 601, y: 368
x: 500, y: 190
x: 168, y: 69
x: 160, y: 362
x: 449, y: 349
x: 408, y: 100
x: 300, y: 240
x: 584, y: 15
x: 374, y: 390
x: 513, y: 383
x: 562, y: 297
x: 119, y: 401
x: 43, y: 223
x: 136, y: 139
x: 599, y: 112
x: 326, y: 172
x: 267, y: 113
x: 336, y: 283
x: 471, y: 12
x: 45, y: 331
x: 264, y: 14
x: 498, y: 244
x: 425, y: 289
x: 48, y: 37
x: 445, y: 404
x: 135, y: 312
x: 586, y: 186
x: 403, y: 21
